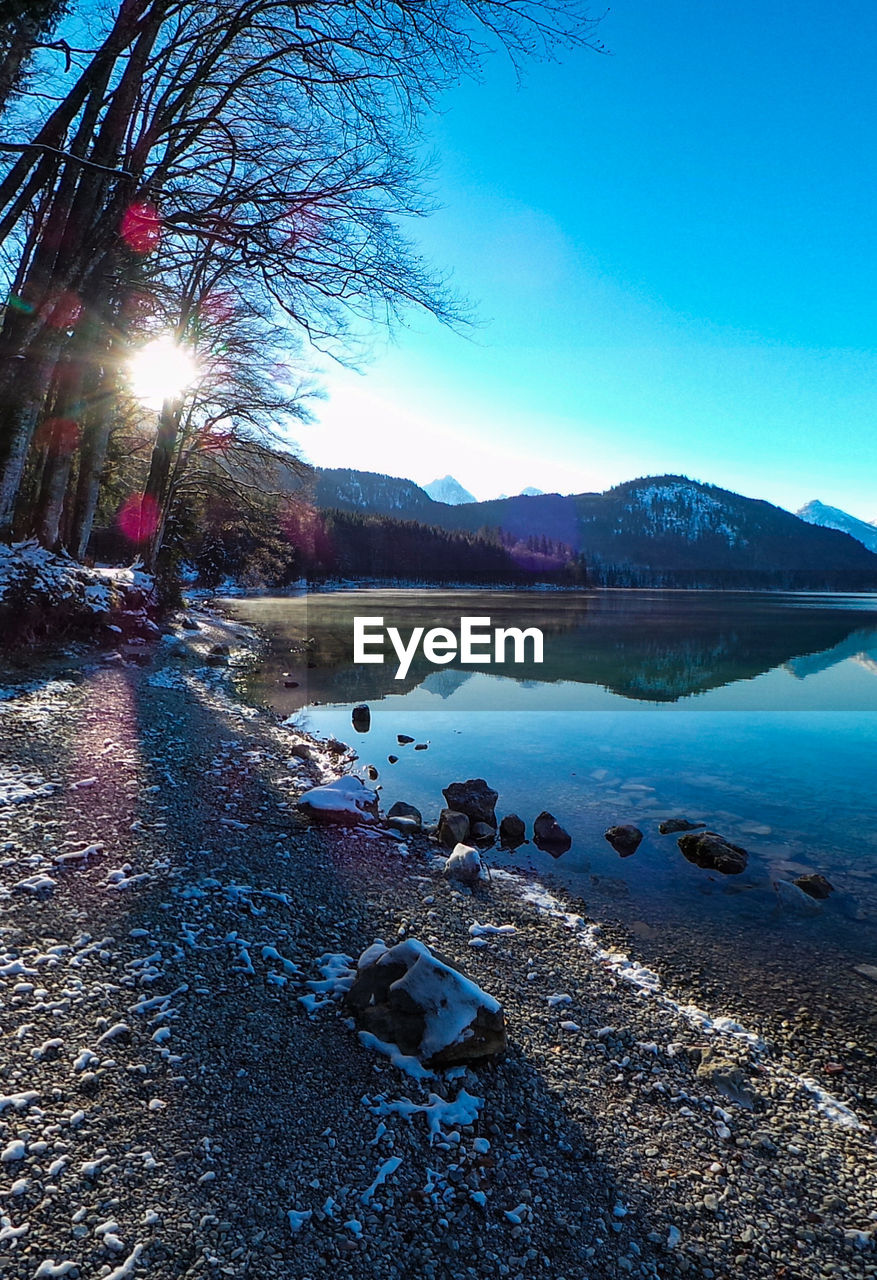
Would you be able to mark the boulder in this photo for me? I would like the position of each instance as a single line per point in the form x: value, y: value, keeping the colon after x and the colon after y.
x: 189, y: 624
x: 464, y: 865
x: 549, y: 835
x: 407, y: 996
x: 290, y: 684
x: 512, y: 831
x: 713, y: 852
x: 362, y: 718
x: 344, y: 800
x: 817, y: 886
x: 404, y: 817
x: 371, y: 773
x: 403, y: 738
x: 216, y: 659
x: 219, y: 650
x: 392, y: 759
x: 474, y: 798
x: 671, y: 825
x: 625, y: 840
x: 301, y: 751
x: 421, y: 746
x: 482, y: 833
x: 453, y: 828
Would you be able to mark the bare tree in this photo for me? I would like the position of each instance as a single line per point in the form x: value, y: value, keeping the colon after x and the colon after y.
x: 274, y: 143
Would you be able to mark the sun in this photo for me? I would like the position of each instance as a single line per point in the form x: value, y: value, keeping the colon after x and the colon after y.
x: 162, y: 370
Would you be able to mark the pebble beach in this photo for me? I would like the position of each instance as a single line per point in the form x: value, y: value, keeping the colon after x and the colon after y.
x: 182, y: 1092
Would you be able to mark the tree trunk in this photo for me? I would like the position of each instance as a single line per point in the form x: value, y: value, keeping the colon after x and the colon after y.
x: 92, y: 457
x: 156, y: 495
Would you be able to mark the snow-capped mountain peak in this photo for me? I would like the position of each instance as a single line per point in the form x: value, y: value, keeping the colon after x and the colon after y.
x: 820, y: 513
x: 448, y: 490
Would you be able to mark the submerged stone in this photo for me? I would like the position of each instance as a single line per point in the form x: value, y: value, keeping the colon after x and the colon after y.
x: 713, y: 852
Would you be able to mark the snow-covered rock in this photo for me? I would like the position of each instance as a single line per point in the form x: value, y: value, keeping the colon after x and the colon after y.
x: 346, y: 800
x: 465, y: 865
x: 408, y: 996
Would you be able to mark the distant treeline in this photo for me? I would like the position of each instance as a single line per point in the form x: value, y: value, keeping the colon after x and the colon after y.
x: 344, y: 544
x: 285, y: 542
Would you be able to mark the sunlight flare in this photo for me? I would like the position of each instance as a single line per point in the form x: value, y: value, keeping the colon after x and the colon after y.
x: 162, y: 370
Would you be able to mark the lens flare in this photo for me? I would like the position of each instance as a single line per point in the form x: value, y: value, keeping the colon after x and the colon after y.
x: 162, y: 370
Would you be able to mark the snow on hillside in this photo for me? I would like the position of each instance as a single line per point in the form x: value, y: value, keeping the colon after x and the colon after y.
x: 683, y: 509
x: 833, y: 518
x: 448, y: 490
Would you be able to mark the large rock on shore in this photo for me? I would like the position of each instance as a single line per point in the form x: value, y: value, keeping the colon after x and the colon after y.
x: 713, y: 852
x: 474, y: 798
x: 549, y: 835
x: 344, y: 800
x: 453, y: 828
x: 625, y: 840
x: 412, y: 998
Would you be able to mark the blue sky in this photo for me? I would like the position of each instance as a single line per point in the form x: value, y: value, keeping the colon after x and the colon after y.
x: 672, y: 254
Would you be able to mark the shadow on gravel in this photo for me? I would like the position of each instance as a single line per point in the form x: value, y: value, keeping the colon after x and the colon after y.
x: 259, y: 1108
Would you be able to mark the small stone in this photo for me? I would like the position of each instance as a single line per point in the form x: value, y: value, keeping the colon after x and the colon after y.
x: 625, y: 840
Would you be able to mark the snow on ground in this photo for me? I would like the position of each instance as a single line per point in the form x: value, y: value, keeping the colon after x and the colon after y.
x: 30, y: 573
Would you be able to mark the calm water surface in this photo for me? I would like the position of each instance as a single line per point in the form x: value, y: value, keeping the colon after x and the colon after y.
x: 756, y: 714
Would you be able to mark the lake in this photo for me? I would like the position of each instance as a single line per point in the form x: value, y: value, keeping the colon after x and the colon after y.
x: 753, y: 713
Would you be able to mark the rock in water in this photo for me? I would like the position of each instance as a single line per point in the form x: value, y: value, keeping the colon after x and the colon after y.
x: 464, y: 865
x: 512, y: 831
x: 413, y: 999
x: 474, y: 798
x: 795, y: 900
x: 549, y: 835
x: 453, y: 828
x: 402, y: 738
x: 671, y: 825
x: 345, y: 800
x: 713, y: 852
x: 817, y: 886
x: 624, y: 840
x: 362, y: 718
x: 404, y: 817
x: 482, y: 833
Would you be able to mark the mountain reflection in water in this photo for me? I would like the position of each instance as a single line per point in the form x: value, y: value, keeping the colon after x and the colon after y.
x: 647, y: 646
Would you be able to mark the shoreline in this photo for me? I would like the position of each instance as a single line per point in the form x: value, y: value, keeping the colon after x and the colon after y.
x: 608, y: 1152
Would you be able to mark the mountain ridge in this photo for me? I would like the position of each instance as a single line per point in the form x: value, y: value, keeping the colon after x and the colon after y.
x: 828, y: 517
x: 664, y: 530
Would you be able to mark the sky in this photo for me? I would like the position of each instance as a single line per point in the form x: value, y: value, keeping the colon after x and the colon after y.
x: 671, y: 253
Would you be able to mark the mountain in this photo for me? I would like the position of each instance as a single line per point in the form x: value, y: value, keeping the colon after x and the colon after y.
x: 530, y: 492
x: 370, y: 491
x: 655, y: 531
x: 833, y: 518
x: 448, y: 490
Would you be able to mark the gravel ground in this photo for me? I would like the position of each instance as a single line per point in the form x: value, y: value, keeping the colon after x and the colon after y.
x: 170, y: 1106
